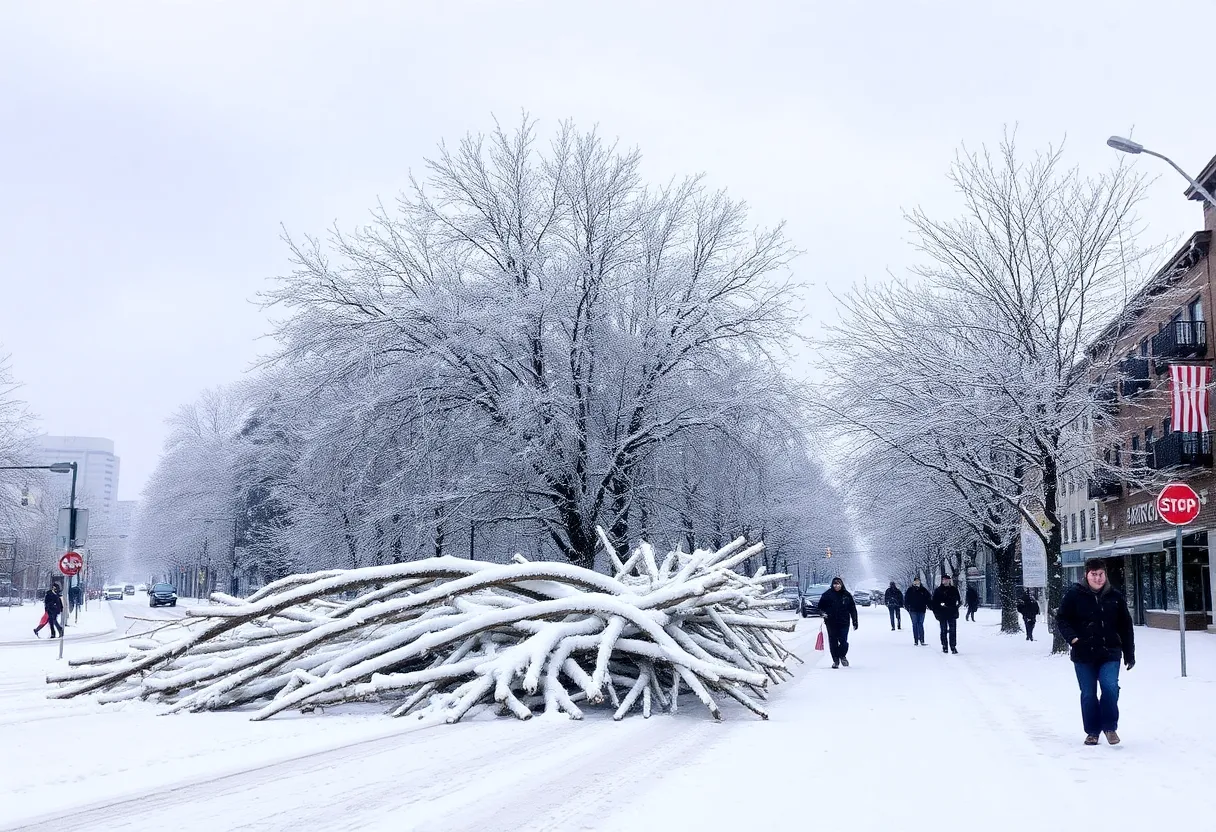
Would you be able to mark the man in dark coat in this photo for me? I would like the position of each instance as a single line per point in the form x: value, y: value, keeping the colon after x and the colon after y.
x: 1028, y: 608
x: 973, y: 602
x: 894, y: 599
x: 838, y: 610
x: 917, y: 600
x: 1093, y: 618
x: 945, y: 605
x: 52, y: 603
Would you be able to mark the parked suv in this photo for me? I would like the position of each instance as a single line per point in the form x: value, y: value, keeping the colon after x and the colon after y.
x: 112, y: 593
x: 162, y: 595
x: 810, y: 599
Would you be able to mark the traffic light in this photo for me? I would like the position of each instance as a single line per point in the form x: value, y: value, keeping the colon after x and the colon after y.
x: 829, y: 555
x: 25, y: 495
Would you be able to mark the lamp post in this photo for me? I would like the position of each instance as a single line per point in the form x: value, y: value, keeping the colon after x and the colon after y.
x: 1135, y: 148
x: 59, y: 468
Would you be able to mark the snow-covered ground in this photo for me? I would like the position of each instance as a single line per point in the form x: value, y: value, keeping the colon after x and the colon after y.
x: 906, y: 738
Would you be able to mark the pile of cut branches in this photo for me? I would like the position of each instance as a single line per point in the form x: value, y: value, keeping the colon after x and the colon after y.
x: 439, y: 637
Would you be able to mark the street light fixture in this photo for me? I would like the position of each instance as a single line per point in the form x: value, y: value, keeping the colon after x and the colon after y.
x: 1129, y: 146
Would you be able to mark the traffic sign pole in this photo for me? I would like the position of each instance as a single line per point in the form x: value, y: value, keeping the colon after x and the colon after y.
x: 1178, y: 505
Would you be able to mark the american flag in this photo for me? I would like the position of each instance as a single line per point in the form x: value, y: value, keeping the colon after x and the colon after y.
x: 1189, y: 386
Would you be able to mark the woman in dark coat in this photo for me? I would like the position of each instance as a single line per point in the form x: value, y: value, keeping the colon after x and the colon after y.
x: 945, y: 606
x: 1028, y: 608
x: 838, y: 610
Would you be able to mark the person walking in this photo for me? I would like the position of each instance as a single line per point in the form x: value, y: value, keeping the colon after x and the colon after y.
x: 52, y: 605
x: 973, y: 602
x: 894, y: 599
x: 838, y: 609
x: 945, y: 605
x: 916, y: 601
x: 1093, y: 618
x: 1028, y: 608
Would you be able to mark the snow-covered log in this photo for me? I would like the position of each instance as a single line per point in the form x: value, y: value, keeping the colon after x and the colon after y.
x: 438, y: 638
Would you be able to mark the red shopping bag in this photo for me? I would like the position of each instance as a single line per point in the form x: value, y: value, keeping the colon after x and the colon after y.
x: 43, y: 622
x: 819, y: 640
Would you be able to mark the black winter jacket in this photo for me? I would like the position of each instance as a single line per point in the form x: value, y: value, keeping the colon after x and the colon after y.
x: 1029, y: 608
x: 838, y: 607
x: 917, y: 599
x: 893, y: 597
x: 1100, y: 623
x: 973, y: 597
x: 52, y: 603
x: 945, y: 603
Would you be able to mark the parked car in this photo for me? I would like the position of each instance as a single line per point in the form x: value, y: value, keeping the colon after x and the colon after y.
x: 792, y: 597
x: 862, y: 598
x: 162, y: 595
x: 810, y: 599
x: 129, y: 589
x: 112, y: 593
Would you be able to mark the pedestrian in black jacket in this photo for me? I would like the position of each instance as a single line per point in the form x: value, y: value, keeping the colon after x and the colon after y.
x: 917, y: 600
x: 894, y: 599
x: 945, y: 605
x: 1093, y: 618
x: 1028, y: 608
x: 973, y: 602
x: 52, y: 603
x: 838, y: 609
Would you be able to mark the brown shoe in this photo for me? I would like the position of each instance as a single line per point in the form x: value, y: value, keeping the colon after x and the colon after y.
x: 1112, y: 737
x: 1091, y: 740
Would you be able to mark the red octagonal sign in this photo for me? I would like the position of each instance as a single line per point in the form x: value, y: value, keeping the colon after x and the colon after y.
x: 1178, y: 504
x: 71, y: 563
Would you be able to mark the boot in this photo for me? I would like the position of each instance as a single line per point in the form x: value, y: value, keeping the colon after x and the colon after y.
x: 1091, y: 740
x: 835, y: 664
x: 845, y: 662
x: 945, y: 649
x: 954, y: 650
x: 1112, y: 737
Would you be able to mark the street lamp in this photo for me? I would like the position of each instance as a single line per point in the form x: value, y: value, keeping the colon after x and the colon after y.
x: 59, y: 468
x: 1135, y: 148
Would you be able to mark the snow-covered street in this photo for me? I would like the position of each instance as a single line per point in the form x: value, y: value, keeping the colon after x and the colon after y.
x: 992, y: 730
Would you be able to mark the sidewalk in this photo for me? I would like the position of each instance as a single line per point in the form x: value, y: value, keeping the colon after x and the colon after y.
x: 17, y: 623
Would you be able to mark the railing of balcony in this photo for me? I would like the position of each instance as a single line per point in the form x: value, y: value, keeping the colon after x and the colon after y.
x: 1178, y: 448
x: 1135, y: 377
x: 1179, y: 339
x: 1105, y: 488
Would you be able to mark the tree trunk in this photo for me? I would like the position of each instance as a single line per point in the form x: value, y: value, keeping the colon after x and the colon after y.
x: 1055, y: 571
x: 1007, y: 586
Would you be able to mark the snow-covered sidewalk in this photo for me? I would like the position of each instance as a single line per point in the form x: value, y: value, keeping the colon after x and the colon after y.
x: 17, y: 623
x: 902, y: 729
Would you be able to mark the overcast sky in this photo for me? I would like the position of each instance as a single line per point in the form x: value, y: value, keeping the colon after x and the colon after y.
x: 150, y: 151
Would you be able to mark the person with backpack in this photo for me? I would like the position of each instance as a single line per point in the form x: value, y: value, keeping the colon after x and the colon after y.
x: 894, y: 599
x: 1028, y: 608
x: 838, y: 609
x: 1093, y: 618
x: 916, y: 601
x: 945, y: 605
x: 973, y: 602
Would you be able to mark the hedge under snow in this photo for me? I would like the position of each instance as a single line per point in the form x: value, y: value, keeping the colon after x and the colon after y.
x: 437, y: 638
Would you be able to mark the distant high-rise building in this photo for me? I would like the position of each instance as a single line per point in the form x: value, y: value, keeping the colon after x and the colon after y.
x: 97, y: 473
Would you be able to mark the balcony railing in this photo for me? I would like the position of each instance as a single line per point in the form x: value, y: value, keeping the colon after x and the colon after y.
x: 1175, y: 449
x: 1179, y: 339
x: 1106, y: 400
x: 1105, y: 488
x: 1134, y: 372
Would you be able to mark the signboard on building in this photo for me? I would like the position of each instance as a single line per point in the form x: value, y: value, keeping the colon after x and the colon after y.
x: 1034, y: 558
x: 1072, y: 557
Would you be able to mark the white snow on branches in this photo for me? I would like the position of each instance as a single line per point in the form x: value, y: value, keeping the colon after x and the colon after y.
x: 440, y: 637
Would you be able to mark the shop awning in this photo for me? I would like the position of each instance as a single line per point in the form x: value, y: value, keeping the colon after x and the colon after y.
x: 1143, y: 544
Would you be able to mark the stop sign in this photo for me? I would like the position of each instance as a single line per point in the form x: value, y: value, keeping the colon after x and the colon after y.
x: 71, y: 563
x: 1178, y: 504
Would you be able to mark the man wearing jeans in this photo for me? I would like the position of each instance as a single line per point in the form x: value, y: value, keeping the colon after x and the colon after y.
x: 1093, y: 618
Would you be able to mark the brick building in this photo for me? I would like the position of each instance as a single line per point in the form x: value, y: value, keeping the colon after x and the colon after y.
x: 1137, y: 432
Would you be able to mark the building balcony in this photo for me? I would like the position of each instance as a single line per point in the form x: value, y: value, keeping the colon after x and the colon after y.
x: 1175, y: 449
x: 1179, y: 339
x: 1105, y: 488
x: 1134, y: 375
x: 1106, y: 400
